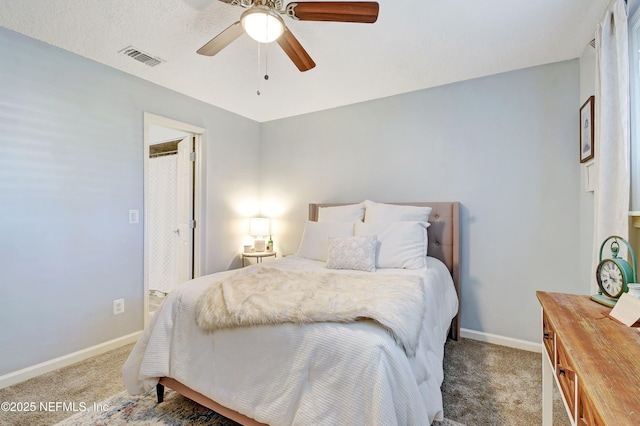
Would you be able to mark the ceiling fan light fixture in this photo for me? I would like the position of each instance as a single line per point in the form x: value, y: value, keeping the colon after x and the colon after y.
x: 263, y: 24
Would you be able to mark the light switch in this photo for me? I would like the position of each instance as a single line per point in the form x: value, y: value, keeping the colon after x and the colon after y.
x: 134, y: 216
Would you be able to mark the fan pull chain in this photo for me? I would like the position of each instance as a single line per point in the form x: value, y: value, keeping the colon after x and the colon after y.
x: 259, y: 68
x: 266, y: 64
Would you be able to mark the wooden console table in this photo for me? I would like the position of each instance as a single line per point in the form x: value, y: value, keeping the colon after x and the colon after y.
x: 594, y: 360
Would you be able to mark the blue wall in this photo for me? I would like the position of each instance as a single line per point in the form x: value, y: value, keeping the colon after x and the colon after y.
x: 71, y: 167
x: 505, y: 146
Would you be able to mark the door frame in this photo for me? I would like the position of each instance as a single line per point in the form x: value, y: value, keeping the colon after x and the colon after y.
x: 198, y: 193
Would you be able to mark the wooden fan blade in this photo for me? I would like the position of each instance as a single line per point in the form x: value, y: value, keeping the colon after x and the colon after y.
x: 295, y: 51
x: 336, y: 11
x: 222, y: 40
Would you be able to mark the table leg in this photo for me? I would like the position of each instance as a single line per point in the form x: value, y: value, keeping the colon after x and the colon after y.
x: 547, y: 390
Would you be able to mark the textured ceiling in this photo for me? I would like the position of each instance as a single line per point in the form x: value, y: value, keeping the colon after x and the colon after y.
x: 415, y: 44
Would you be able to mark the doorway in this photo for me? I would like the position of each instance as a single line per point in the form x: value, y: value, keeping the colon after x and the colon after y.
x: 172, y: 207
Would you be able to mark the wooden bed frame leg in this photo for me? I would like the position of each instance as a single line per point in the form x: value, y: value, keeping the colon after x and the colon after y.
x: 160, y: 393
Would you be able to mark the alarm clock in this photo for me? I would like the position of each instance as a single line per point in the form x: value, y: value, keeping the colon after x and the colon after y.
x: 614, y: 274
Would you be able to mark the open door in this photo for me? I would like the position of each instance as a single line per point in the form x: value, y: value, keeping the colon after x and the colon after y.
x: 181, y: 246
x: 186, y: 221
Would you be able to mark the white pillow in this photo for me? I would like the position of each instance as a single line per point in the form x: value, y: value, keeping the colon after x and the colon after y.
x: 380, y: 212
x: 315, y: 239
x: 357, y: 253
x: 348, y: 213
x: 400, y: 244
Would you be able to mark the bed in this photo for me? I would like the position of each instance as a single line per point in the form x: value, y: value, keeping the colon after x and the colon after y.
x: 321, y: 372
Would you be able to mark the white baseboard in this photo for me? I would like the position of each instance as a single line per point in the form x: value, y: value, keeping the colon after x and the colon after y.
x: 501, y: 340
x: 63, y: 361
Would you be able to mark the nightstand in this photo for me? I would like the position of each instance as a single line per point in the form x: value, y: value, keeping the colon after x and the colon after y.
x: 259, y: 255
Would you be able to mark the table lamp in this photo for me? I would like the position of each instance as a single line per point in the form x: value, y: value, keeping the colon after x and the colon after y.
x: 259, y: 228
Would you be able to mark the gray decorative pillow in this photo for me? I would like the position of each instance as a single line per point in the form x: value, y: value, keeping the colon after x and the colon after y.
x: 357, y: 253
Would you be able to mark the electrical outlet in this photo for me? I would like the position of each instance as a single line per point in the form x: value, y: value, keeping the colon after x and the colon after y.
x: 118, y: 306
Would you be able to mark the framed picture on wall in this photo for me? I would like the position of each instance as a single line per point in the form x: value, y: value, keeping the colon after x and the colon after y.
x: 586, y: 130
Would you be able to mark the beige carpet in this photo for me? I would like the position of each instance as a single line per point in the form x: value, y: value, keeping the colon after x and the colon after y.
x: 90, y: 381
x: 484, y: 385
x: 495, y: 385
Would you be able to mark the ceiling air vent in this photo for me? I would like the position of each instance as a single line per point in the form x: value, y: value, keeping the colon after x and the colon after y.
x: 140, y: 56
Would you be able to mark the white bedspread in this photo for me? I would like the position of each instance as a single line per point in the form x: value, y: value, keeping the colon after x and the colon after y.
x: 290, y: 374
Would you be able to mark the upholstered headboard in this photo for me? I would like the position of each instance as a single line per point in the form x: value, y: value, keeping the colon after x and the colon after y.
x: 444, y: 240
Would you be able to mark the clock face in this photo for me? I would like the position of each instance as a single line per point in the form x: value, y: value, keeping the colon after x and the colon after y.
x: 610, y: 278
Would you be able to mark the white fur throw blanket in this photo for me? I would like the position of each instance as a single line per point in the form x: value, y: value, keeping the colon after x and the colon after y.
x: 274, y: 296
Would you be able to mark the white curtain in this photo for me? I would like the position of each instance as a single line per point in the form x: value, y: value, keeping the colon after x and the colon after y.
x: 611, y: 131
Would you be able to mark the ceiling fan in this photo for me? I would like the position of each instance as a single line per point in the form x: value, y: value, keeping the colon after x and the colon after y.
x: 263, y: 23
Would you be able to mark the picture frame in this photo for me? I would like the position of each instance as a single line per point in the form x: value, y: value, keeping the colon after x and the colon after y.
x: 586, y: 130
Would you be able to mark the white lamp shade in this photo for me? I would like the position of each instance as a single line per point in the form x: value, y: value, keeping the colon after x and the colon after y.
x: 259, y: 226
x: 262, y: 24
